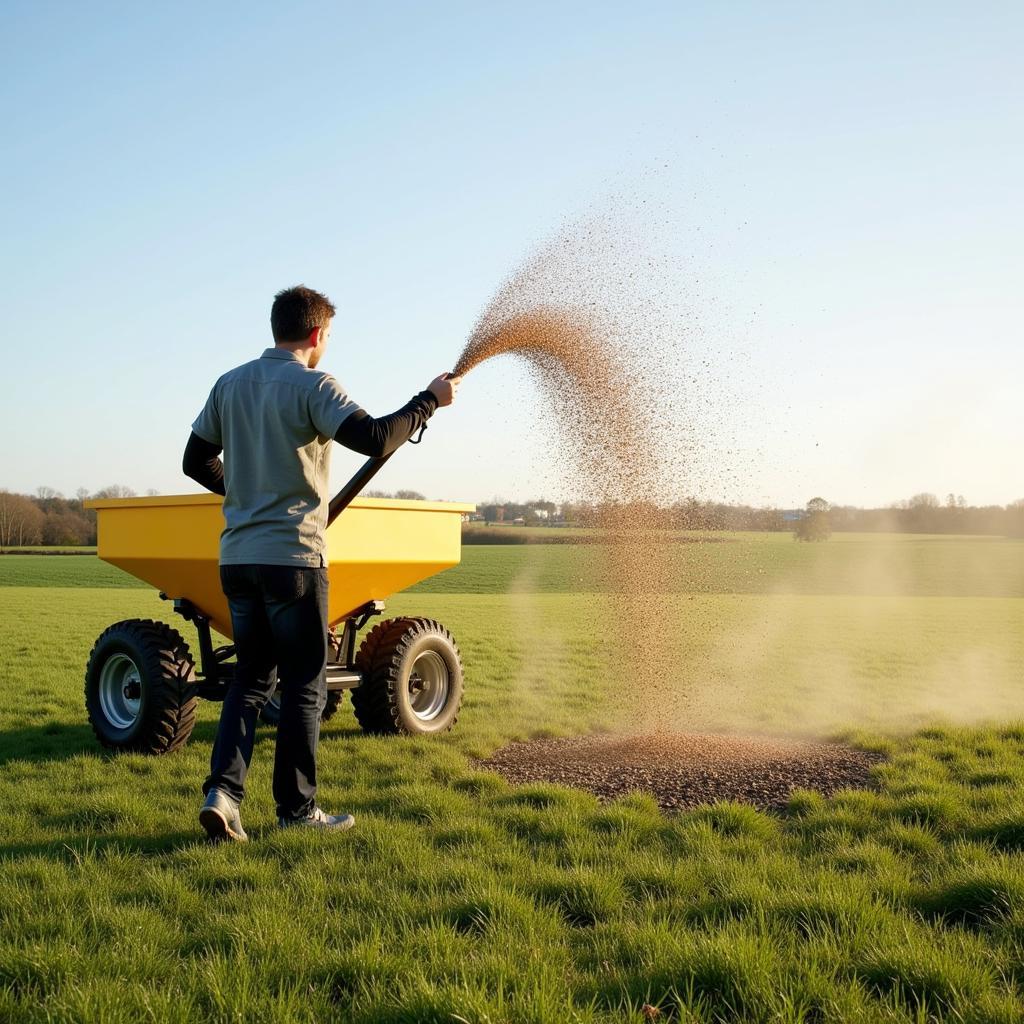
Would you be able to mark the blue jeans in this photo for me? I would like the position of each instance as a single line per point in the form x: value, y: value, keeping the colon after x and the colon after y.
x: 279, y: 619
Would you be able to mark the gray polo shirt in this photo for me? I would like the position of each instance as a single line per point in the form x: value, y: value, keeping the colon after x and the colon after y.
x: 275, y: 419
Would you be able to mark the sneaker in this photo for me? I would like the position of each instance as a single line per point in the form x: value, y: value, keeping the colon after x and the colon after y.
x: 220, y: 817
x: 317, y: 819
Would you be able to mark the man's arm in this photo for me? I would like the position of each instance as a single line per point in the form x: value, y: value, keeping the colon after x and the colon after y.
x: 379, y: 436
x: 202, y: 463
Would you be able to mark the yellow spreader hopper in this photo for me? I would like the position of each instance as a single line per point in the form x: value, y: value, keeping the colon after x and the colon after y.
x: 141, y: 682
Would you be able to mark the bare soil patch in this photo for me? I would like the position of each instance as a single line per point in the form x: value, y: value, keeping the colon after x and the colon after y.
x: 684, y: 770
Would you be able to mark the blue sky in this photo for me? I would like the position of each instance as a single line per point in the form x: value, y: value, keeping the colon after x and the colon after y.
x: 846, y: 176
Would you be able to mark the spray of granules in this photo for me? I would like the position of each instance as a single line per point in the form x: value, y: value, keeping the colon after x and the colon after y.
x: 605, y: 382
x: 583, y: 376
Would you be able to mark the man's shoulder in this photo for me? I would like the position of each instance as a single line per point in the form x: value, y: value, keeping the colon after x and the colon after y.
x: 286, y: 372
x: 305, y: 377
x: 273, y: 370
x: 238, y: 372
x: 321, y: 380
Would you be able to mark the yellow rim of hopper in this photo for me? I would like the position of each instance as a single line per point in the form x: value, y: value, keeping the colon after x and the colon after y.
x: 215, y: 499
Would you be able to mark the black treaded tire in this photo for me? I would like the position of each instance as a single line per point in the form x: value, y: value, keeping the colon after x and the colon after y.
x: 154, y: 663
x: 412, y: 678
x: 271, y: 713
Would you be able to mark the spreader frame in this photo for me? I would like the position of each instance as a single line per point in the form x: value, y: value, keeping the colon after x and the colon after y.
x: 216, y: 671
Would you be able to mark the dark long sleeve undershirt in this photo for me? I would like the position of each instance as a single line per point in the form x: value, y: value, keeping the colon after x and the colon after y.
x: 202, y: 463
x: 363, y: 433
x: 381, y: 435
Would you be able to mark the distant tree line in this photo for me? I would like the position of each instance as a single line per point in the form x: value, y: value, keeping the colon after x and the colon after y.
x: 925, y: 513
x: 688, y: 515
x: 922, y: 513
x: 48, y: 518
x: 401, y: 495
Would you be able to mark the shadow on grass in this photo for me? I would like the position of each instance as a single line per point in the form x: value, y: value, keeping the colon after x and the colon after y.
x: 61, y: 741
x: 51, y: 741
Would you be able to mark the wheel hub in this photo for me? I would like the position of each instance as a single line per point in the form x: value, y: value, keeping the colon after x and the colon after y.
x: 429, y: 686
x: 120, y: 691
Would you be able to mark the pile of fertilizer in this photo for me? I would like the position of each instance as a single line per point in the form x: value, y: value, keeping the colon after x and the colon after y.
x: 683, y: 770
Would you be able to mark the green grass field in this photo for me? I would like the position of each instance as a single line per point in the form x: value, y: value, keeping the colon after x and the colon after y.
x: 458, y: 897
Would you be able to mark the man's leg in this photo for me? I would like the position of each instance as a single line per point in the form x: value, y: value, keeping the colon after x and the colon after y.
x: 296, y: 604
x: 253, y: 684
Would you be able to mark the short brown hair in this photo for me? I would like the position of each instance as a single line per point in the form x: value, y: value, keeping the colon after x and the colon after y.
x: 298, y: 311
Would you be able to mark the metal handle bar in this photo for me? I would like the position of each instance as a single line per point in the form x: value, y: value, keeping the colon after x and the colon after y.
x: 364, y: 475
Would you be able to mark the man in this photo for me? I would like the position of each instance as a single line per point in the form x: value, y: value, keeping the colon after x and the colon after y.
x: 275, y: 419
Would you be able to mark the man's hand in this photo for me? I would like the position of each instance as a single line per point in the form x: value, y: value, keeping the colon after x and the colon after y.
x: 443, y: 388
